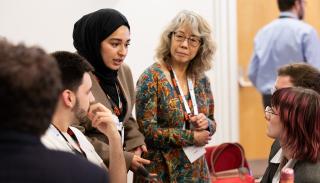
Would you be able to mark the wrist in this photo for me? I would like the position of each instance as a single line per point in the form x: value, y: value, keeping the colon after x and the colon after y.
x: 113, y: 135
x: 211, y: 126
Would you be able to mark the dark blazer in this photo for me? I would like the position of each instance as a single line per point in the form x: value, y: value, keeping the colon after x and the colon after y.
x: 133, y: 137
x: 304, y: 172
x: 24, y: 159
x: 272, y: 167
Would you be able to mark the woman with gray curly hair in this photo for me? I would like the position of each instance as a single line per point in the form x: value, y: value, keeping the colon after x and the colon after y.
x: 174, y: 102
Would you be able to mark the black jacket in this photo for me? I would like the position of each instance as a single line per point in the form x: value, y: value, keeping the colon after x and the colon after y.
x: 24, y: 159
x: 304, y: 172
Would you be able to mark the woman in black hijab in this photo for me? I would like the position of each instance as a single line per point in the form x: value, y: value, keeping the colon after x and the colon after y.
x: 103, y: 37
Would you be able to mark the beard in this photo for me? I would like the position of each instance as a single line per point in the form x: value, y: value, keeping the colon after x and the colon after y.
x: 81, y: 117
x: 301, y: 10
x: 301, y: 15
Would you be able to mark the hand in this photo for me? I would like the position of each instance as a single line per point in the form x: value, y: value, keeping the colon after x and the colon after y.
x: 201, y: 138
x: 102, y: 119
x: 138, y: 161
x: 199, y: 122
x: 138, y: 151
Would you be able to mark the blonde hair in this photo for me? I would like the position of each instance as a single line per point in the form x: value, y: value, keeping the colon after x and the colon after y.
x: 200, y: 27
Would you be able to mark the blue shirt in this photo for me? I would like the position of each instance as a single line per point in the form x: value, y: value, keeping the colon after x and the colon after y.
x: 283, y: 41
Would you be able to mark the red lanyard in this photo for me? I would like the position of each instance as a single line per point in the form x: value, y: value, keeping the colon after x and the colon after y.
x: 117, y: 109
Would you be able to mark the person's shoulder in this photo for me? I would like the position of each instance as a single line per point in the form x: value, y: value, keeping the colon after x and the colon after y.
x: 203, y: 78
x: 151, y: 74
x: 154, y: 70
x: 125, y: 67
x: 38, y: 164
x: 307, y: 165
x: 307, y: 172
x: 51, y: 139
x: 84, y: 171
x: 268, y: 26
x: 299, y: 24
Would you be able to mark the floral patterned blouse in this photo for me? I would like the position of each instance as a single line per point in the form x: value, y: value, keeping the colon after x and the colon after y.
x: 160, y: 116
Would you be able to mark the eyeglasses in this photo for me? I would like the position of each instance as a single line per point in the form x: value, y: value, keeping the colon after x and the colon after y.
x: 268, y: 111
x: 192, y: 40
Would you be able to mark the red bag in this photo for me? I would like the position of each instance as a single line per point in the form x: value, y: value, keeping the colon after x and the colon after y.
x: 227, y: 164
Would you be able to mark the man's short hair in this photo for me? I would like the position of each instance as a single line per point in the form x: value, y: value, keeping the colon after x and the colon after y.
x: 302, y: 75
x: 72, y: 67
x: 30, y: 85
x: 286, y: 5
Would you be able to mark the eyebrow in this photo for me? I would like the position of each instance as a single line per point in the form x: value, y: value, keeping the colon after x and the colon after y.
x: 118, y: 39
x: 192, y: 35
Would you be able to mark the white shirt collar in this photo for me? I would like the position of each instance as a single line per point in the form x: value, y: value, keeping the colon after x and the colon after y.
x: 277, y: 158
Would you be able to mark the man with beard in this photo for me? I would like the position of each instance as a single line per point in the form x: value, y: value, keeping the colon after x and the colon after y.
x: 29, y: 87
x: 285, y: 40
x: 76, y: 103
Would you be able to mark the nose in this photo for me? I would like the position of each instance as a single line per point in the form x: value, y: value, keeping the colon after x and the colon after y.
x: 123, y: 50
x: 91, y: 97
x: 185, y: 43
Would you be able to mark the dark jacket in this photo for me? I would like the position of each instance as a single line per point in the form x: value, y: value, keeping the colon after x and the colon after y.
x: 304, y: 172
x: 272, y: 167
x: 24, y: 159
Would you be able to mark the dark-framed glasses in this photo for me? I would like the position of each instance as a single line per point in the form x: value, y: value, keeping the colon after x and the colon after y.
x: 192, y: 40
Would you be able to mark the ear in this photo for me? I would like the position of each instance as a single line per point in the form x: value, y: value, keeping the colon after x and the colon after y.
x: 297, y: 4
x: 68, y: 98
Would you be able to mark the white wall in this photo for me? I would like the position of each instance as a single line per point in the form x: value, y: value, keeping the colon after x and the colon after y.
x: 50, y: 23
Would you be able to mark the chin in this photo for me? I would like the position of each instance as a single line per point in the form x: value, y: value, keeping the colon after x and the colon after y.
x: 115, y: 67
x: 270, y: 135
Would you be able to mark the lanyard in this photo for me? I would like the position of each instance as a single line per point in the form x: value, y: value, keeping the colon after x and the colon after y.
x: 187, y: 111
x: 73, y: 136
x: 117, y: 109
x: 119, y: 126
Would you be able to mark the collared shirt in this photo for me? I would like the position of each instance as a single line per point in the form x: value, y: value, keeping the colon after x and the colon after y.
x: 277, y: 160
x: 284, y: 41
x: 52, y: 139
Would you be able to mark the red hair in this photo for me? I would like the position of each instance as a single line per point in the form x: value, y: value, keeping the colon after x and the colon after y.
x: 299, y: 111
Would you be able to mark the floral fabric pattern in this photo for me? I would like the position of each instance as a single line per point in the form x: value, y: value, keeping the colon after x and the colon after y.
x: 161, y: 120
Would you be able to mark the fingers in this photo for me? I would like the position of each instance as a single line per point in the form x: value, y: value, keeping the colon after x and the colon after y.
x: 200, y: 122
x: 201, y: 137
x: 98, y: 115
x: 138, y: 161
x: 144, y: 148
x: 143, y: 161
x: 138, y: 151
x: 98, y: 107
x: 193, y: 118
x: 103, y: 120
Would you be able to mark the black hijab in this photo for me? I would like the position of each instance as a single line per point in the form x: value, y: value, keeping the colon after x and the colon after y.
x: 90, y: 31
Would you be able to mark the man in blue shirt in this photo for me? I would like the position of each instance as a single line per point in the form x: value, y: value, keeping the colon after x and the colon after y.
x: 285, y: 40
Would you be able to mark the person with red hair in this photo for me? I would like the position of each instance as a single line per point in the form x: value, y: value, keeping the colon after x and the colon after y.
x: 294, y: 119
